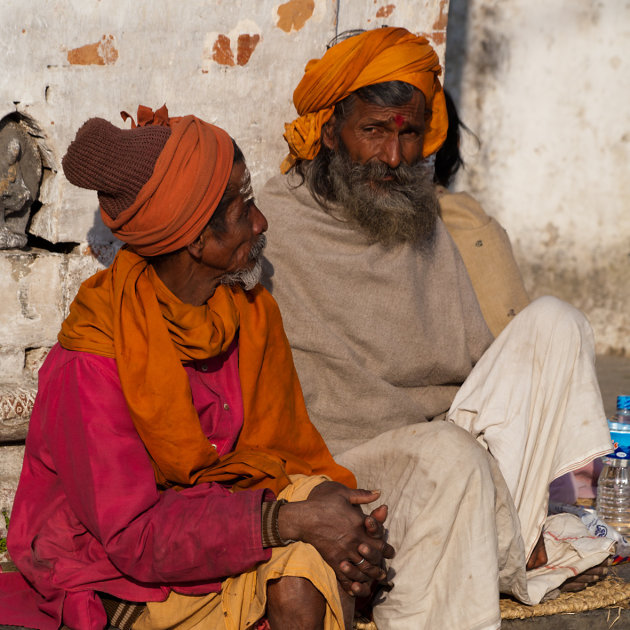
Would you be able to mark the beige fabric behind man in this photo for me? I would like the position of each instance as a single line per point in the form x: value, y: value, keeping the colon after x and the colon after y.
x: 390, y: 349
x: 487, y: 253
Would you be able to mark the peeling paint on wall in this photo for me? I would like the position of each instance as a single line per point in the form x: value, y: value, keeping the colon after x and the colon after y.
x: 294, y: 14
x: 20, y: 267
x: 233, y: 48
x: 245, y: 44
x: 385, y: 11
x: 102, y: 53
x: 222, y: 51
x: 438, y: 29
x: 245, y: 47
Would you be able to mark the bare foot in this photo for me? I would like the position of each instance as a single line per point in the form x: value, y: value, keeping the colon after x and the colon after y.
x: 587, y: 578
x: 574, y: 584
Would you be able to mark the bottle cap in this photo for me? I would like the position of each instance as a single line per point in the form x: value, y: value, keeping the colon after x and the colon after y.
x: 623, y: 402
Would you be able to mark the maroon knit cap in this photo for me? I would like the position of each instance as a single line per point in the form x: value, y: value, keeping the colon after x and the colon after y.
x: 115, y: 162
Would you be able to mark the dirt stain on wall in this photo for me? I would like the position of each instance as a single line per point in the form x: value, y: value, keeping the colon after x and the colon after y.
x: 294, y: 14
x: 102, y: 53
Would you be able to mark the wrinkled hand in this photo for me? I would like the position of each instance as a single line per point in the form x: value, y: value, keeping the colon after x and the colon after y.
x: 332, y: 521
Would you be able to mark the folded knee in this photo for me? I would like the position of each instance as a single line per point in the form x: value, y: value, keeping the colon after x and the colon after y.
x: 550, y: 311
x: 293, y: 602
x: 463, y: 452
x: 451, y: 445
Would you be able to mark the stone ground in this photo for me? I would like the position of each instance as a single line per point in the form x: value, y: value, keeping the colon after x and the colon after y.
x: 614, y: 377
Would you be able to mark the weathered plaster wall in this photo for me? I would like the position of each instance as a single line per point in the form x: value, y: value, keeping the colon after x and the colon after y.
x: 546, y: 87
x: 234, y: 63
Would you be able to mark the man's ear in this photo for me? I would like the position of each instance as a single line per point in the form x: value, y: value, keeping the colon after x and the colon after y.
x: 329, y: 138
x: 195, y: 248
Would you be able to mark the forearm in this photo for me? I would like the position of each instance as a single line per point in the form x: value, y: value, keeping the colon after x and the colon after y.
x: 199, y: 534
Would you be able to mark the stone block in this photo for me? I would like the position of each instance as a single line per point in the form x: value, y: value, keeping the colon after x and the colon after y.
x: 33, y: 359
x: 31, y: 284
x: 11, y: 458
x: 37, y: 288
x: 88, y: 259
x: 11, y: 362
x: 68, y: 214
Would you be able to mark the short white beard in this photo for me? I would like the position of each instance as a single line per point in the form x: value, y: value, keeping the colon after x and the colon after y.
x: 248, y: 278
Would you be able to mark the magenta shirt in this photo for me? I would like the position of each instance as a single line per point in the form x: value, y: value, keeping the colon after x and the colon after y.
x: 88, y: 516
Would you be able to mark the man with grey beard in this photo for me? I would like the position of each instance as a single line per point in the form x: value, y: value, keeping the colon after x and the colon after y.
x: 399, y: 370
x: 390, y: 205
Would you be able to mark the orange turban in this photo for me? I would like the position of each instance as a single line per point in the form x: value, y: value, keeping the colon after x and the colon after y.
x: 159, y: 182
x: 377, y: 56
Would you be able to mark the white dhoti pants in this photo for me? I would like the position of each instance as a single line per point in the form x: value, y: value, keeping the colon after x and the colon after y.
x: 468, y: 496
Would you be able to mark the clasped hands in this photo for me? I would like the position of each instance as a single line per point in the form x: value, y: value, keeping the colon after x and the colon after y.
x: 332, y: 521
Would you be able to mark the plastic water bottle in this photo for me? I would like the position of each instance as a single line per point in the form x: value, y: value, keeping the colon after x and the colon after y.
x: 613, y: 487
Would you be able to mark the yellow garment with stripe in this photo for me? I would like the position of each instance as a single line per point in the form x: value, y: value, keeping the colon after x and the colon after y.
x: 243, y: 598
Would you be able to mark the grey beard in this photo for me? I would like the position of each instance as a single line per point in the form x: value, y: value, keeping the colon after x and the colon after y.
x: 404, y: 209
x: 248, y: 278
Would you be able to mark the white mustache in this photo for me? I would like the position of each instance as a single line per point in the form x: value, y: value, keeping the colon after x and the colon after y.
x: 258, y: 247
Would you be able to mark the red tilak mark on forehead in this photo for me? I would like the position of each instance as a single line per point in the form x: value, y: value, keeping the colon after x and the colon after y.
x: 399, y: 120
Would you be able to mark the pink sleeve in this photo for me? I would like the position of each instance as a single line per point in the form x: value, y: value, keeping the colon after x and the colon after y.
x: 199, y: 534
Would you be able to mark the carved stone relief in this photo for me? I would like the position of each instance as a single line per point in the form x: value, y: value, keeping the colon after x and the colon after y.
x: 16, y: 405
x: 20, y: 177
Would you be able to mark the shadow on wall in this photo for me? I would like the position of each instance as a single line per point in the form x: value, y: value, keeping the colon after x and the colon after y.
x: 101, y: 243
x: 456, y: 39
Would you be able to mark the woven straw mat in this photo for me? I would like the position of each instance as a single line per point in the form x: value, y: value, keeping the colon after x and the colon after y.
x: 611, y: 591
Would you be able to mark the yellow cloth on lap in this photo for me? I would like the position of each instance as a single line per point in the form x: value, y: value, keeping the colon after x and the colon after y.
x: 243, y: 598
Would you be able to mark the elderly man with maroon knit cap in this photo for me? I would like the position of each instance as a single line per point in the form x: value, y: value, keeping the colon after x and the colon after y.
x: 462, y: 433
x: 172, y: 478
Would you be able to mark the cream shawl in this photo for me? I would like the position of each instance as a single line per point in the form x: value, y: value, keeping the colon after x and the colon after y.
x: 381, y: 338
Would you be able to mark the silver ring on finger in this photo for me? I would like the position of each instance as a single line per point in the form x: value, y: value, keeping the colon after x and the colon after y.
x: 358, y: 564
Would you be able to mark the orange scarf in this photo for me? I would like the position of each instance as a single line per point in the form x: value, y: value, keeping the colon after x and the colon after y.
x: 377, y: 56
x: 127, y: 313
